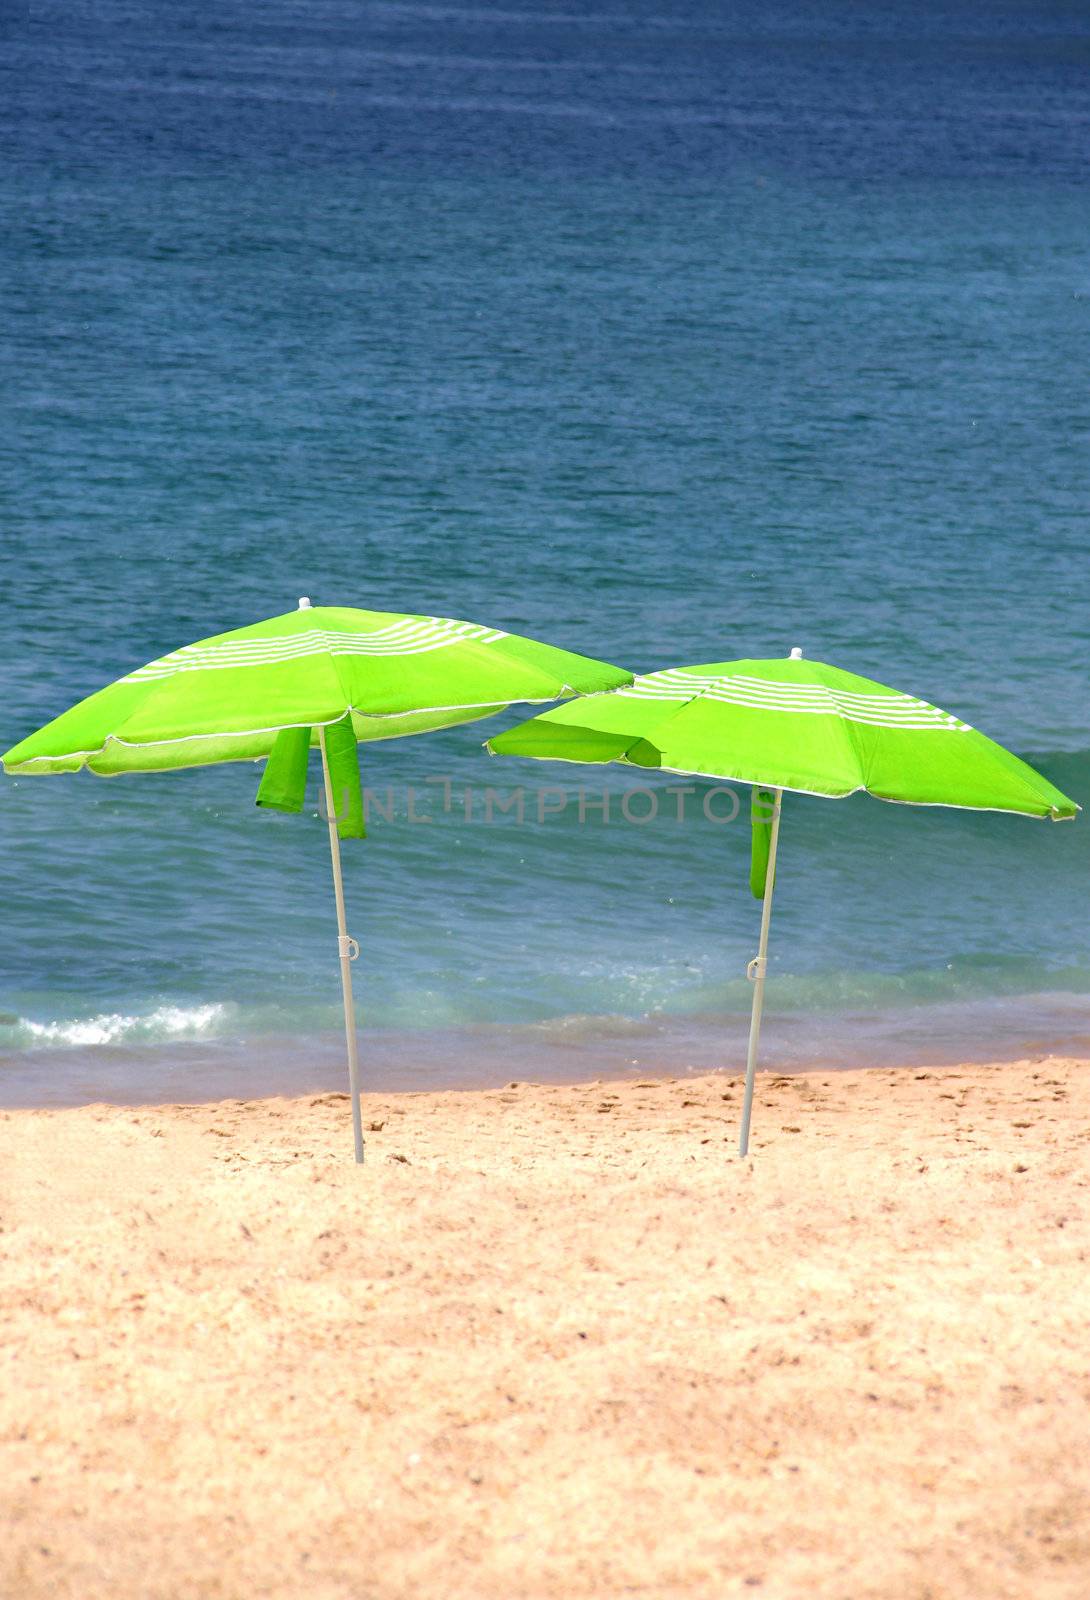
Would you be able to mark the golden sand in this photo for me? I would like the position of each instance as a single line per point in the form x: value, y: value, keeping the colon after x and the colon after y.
x: 553, y: 1343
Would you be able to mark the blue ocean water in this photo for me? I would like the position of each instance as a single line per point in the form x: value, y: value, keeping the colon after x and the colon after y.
x: 665, y: 333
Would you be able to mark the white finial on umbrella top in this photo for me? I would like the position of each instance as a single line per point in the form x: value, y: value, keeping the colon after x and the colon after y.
x: 304, y: 602
x: 796, y: 653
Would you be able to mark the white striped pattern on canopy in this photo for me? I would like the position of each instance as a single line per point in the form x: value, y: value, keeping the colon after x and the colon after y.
x: 409, y: 637
x: 892, y: 710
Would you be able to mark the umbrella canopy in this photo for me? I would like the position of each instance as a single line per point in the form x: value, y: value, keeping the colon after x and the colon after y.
x: 227, y: 697
x: 792, y: 724
x: 321, y: 676
x: 788, y: 724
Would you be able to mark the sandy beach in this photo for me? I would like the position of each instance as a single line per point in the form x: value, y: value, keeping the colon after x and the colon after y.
x: 554, y: 1342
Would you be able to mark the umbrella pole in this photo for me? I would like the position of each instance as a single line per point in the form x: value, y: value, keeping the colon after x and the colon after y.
x: 349, y: 950
x: 756, y: 973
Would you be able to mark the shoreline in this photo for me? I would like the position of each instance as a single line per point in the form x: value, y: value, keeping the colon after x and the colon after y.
x: 554, y: 1341
x: 467, y: 1059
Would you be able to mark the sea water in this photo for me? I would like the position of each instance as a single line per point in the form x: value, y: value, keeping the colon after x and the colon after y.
x: 669, y: 334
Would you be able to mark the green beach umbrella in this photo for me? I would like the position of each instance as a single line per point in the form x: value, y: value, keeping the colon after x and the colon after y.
x: 322, y: 677
x: 788, y: 724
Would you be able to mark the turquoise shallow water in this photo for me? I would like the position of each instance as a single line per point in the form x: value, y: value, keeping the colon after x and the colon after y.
x: 662, y: 336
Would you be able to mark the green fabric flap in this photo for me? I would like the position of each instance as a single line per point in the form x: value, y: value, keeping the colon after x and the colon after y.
x: 284, y: 782
x: 344, y: 778
x: 761, y: 806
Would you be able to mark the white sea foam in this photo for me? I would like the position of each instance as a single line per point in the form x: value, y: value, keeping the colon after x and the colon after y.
x: 115, y: 1027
